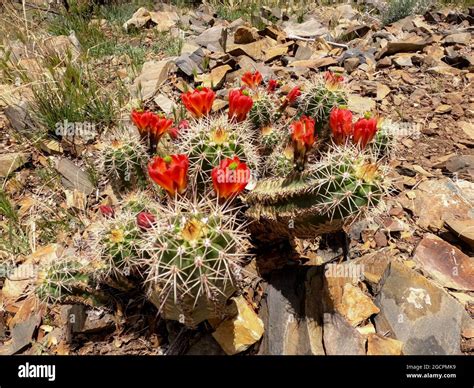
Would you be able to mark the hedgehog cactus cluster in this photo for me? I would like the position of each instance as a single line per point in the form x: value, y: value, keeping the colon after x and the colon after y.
x: 284, y: 161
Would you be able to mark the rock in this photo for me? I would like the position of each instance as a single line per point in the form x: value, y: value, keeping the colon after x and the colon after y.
x: 254, y: 50
x: 73, y: 177
x: 384, y: 62
x: 340, y: 338
x: 60, y: 46
x: 75, y: 199
x: 205, y: 346
x: 164, y: 103
x: 459, y: 38
x: 164, y: 20
x: 315, y: 63
x: 139, y: 19
x: 444, y: 70
x: 382, y: 91
x: 19, y: 118
x: 443, y: 108
x: 303, y: 52
x: 374, y: 267
x: 445, y: 263
x: 360, y: 104
x: 461, y: 166
x: 309, y: 29
x: 403, y: 60
x: 345, y: 11
x: 212, y: 38
x: 275, y: 52
x: 244, y: 35
x: 350, y: 64
x: 215, y: 78
x: 382, y: 346
x: 292, y: 313
x: 153, y: 75
x: 468, y: 128
x: 463, y: 229
x: 274, y: 33
x: 11, y: 162
x: 96, y: 321
x: 187, y: 65
x: 358, y: 31
x: 424, y: 317
x: 436, y: 201
x: 356, y: 306
x: 239, y: 333
x: 407, y: 46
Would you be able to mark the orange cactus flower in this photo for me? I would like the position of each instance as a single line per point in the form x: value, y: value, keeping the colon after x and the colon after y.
x: 240, y: 104
x: 199, y: 101
x: 170, y: 173
x: 340, y: 121
x: 230, y: 177
x: 252, y: 80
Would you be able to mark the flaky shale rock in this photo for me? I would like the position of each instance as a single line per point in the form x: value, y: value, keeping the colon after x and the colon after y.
x: 418, y: 313
x: 237, y: 334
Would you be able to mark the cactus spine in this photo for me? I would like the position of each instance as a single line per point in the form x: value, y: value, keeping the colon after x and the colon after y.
x: 194, y: 255
x: 337, y: 188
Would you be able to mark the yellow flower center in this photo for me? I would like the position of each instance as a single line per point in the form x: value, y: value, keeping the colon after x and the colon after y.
x: 193, y: 230
x: 219, y: 136
x: 116, y: 236
x: 366, y: 172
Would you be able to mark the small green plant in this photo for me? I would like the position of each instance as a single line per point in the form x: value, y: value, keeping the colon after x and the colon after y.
x: 13, y: 239
x: 399, y: 9
x: 72, y: 94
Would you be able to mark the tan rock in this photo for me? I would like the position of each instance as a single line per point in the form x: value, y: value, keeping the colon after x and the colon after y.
x: 139, y: 19
x: 10, y: 162
x: 314, y: 63
x: 382, y: 91
x: 356, y: 306
x: 468, y: 128
x: 215, y: 78
x: 275, y: 52
x: 360, y: 104
x: 239, y: 333
x: 382, y: 346
x: 443, y: 108
x: 60, y: 46
x: 245, y: 35
x: 254, y: 50
x: 152, y: 76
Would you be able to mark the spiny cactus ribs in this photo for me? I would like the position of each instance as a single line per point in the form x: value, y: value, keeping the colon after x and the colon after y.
x: 179, y: 228
x: 194, y: 253
x: 335, y: 189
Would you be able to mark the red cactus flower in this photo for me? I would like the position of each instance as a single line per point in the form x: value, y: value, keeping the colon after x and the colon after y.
x: 107, y: 211
x: 333, y: 79
x: 252, y: 80
x: 364, y: 131
x: 170, y: 173
x: 293, y: 95
x: 151, y: 126
x: 199, y: 101
x: 303, y: 134
x: 145, y: 220
x: 240, y: 104
x: 272, y: 85
x: 141, y: 119
x: 230, y: 177
x: 340, y: 121
x: 159, y: 125
x: 290, y: 98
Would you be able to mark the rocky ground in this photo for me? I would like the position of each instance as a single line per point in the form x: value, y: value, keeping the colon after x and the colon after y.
x: 406, y: 284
